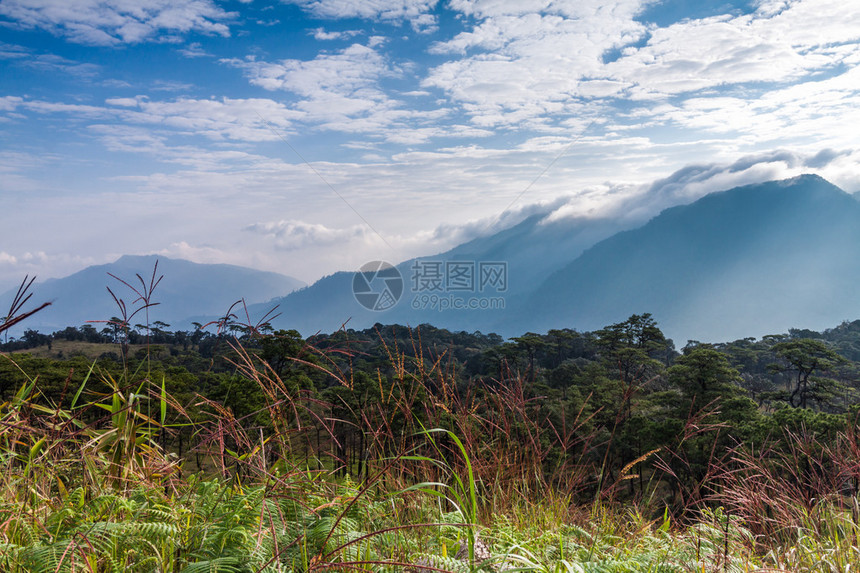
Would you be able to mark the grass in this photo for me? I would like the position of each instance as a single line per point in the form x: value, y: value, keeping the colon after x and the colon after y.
x: 71, y: 348
x: 450, y: 479
x: 60, y: 349
x: 466, y: 492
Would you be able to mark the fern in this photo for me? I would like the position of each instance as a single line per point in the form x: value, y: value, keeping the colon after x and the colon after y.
x: 56, y: 557
x: 21, y: 531
x: 217, y: 565
x: 9, y: 556
x: 423, y: 560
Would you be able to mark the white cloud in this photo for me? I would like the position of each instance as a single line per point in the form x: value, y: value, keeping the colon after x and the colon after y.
x: 170, y: 86
x: 20, y: 175
x: 222, y: 119
x: 324, y: 35
x: 13, y: 267
x: 352, y: 70
x: 13, y: 51
x: 762, y: 47
x: 133, y: 139
x: 301, y: 236
x: 813, y: 113
x: 200, y: 254
x: 448, y: 235
x: 293, y: 235
x: 123, y: 101
x: 218, y: 119
x: 194, y: 50
x: 114, y: 83
x: 50, y: 63
x: 529, y: 65
x: 78, y: 111
x: 342, y: 91
x: 47, y: 63
x: 110, y: 22
x: 632, y: 202
x: 522, y: 63
x: 416, y: 12
x: 10, y: 103
x: 692, y: 182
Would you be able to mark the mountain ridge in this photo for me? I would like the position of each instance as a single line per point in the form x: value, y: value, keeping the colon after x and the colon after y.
x: 713, y: 253
x: 694, y: 244
x: 754, y: 259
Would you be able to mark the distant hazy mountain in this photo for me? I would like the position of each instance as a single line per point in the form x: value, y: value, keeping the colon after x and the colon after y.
x: 753, y: 260
x: 532, y: 250
x: 536, y: 248
x: 187, y: 290
x: 750, y: 261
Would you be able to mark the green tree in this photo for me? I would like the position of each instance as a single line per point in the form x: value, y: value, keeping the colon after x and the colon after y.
x: 703, y: 375
x: 530, y: 344
x: 707, y: 381
x: 632, y: 347
x: 33, y: 339
x: 803, y: 358
x: 281, y: 349
x: 629, y: 349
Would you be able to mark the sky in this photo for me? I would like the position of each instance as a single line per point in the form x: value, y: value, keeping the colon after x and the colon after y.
x: 310, y: 136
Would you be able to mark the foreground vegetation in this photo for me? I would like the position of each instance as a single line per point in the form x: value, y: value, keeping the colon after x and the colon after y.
x: 236, y: 448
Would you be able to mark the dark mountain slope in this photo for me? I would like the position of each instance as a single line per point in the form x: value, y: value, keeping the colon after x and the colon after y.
x: 532, y: 249
x: 748, y: 261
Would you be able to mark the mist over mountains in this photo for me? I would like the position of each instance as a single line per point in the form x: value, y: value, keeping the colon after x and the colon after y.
x: 749, y: 261
x: 752, y: 260
x: 329, y: 303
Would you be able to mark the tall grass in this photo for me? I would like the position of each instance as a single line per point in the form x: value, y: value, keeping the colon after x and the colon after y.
x: 438, y: 477
x: 16, y: 312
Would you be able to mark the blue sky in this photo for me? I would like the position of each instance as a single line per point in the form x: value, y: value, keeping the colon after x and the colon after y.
x: 309, y: 136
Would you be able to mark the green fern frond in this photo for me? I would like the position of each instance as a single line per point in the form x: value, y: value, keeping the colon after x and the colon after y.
x: 422, y: 560
x: 21, y: 531
x: 153, y: 532
x: 217, y: 565
x: 56, y: 557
